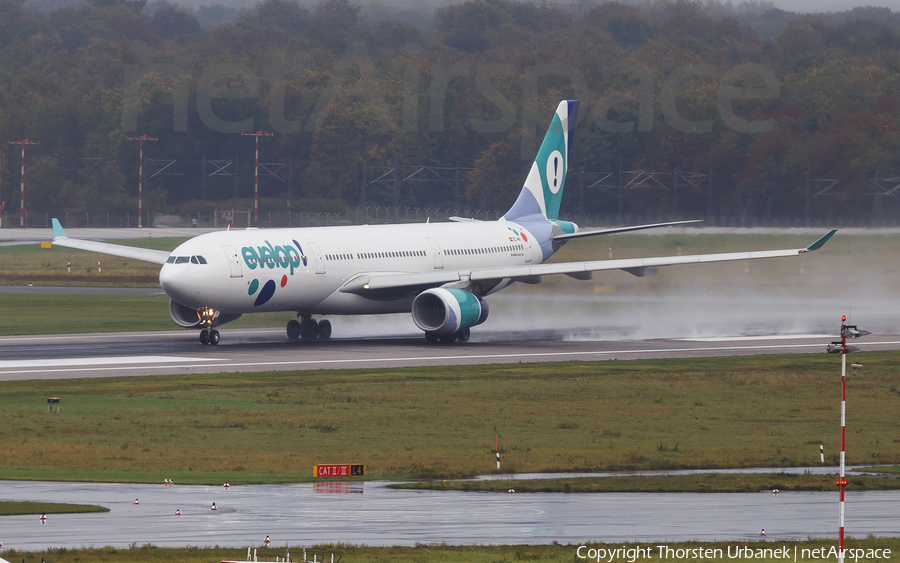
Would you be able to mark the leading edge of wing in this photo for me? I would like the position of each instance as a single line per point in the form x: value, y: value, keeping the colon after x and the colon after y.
x: 143, y: 254
x: 637, y: 266
x: 366, y: 283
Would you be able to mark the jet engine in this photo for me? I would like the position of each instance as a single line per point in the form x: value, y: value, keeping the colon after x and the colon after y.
x: 446, y: 311
x: 188, y: 317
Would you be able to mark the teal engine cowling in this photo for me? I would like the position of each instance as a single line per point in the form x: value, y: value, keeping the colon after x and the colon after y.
x: 448, y: 310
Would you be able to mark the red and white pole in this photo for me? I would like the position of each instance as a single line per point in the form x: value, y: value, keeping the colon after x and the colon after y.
x: 22, y: 184
x: 842, y: 481
x: 141, y: 183
x: 256, y: 185
x: 141, y: 140
x: 258, y: 134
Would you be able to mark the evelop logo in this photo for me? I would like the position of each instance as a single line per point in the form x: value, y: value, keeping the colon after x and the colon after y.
x: 519, y: 236
x: 271, y: 257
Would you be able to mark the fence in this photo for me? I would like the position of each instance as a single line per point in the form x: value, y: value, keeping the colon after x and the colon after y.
x: 375, y: 215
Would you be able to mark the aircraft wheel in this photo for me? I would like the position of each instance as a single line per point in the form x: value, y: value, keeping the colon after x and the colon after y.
x: 324, y: 329
x: 431, y: 337
x: 309, y: 329
x: 448, y: 338
x: 293, y: 329
x: 214, y: 338
x: 204, y: 337
x: 463, y: 335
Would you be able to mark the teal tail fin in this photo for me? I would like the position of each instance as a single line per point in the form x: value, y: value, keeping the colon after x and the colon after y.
x: 543, y: 189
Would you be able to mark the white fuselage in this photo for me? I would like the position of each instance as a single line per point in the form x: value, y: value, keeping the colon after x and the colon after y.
x: 303, y: 269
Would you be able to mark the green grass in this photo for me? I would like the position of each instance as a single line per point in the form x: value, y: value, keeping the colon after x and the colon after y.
x: 451, y: 554
x: 64, y: 313
x: 705, y: 483
x: 441, y: 422
x: 29, y: 263
x: 10, y: 508
x: 58, y: 313
x: 884, y: 469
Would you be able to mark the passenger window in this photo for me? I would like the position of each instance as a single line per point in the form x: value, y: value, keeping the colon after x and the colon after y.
x: 170, y: 260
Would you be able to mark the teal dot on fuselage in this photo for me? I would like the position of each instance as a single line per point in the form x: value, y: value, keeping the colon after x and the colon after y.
x: 254, y: 285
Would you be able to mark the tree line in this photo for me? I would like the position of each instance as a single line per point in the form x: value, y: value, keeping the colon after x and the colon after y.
x: 686, y: 111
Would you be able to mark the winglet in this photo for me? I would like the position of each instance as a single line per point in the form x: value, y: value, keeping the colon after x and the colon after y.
x: 58, y: 231
x: 821, y: 242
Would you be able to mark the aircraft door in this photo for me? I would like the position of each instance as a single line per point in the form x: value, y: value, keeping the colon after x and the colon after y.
x: 528, y: 251
x: 234, y: 261
x: 436, y: 251
x: 320, y: 259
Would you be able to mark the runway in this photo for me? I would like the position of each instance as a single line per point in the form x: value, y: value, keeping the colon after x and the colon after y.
x: 370, y: 513
x: 247, y: 350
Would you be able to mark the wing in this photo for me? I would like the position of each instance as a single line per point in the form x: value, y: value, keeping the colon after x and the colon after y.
x: 143, y: 254
x: 393, y: 283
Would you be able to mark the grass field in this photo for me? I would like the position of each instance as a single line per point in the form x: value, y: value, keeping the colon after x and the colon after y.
x: 886, y: 469
x: 705, y: 483
x: 57, y: 313
x: 9, y: 508
x: 475, y: 554
x: 442, y: 422
x: 23, y: 264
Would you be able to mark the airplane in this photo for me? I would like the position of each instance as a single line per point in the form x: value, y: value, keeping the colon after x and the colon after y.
x: 439, y: 272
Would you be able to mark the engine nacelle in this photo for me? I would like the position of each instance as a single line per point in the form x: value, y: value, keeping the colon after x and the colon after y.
x: 187, y: 317
x: 448, y: 310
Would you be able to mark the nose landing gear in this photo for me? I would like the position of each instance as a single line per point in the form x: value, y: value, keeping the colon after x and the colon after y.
x: 210, y: 337
x: 308, y: 328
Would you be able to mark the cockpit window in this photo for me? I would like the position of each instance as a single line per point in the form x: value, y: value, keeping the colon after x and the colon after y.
x: 182, y: 259
x: 170, y: 260
x: 201, y: 259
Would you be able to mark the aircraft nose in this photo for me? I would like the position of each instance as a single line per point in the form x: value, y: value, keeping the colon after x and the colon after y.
x: 168, y: 279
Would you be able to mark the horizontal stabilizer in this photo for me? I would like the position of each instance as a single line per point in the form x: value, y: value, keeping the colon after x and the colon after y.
x: 615, y: 230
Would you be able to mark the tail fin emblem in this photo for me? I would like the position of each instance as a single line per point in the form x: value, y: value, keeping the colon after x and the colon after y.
x: 554, y: 171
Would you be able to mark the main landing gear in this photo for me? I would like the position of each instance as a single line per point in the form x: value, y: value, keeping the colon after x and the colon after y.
x: 210, y: 337
x: 308, y: 328
x: 448, y: 337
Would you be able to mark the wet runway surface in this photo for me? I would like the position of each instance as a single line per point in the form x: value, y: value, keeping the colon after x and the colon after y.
x: 243, y: 350
x: 520, y: 330
x: 370, y: 513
